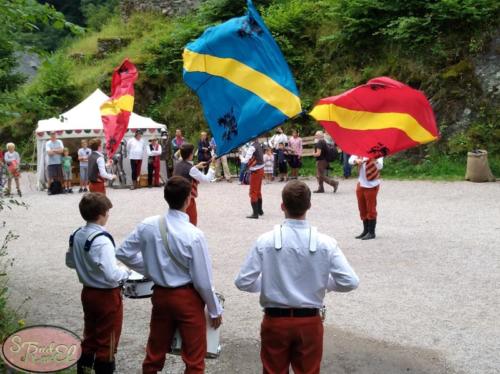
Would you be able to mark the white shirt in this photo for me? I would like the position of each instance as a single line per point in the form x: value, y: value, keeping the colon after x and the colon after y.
x: 96, y: 268
x: 276, y: 139
x: 102, y: 167
x: 143, y: 251
x: 153, y: 153
x: 195, y: 173
x: 293, y: 277
x: 363, y: 182
x: 135, y: 149
x: 248, y: 156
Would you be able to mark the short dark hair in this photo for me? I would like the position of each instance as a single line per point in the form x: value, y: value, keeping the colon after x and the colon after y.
x: 296, y: 198
x: 94, y: 204
x: 186, y: 150
x: 177, y: 190
x: 94, y: 144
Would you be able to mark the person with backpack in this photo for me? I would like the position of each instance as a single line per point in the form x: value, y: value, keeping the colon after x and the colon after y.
x: 54, y: 148
x: 324, y: 154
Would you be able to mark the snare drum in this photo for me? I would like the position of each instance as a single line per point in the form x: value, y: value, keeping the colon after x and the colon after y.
x: 213, y: 336
x: 137, y: 286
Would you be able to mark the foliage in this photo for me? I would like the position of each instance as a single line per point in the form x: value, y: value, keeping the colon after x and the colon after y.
x: 98, y: 12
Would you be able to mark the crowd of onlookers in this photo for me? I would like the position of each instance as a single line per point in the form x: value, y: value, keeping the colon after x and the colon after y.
x: 282, y: 158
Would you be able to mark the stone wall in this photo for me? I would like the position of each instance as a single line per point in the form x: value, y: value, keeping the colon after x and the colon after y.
x: 166, y: 7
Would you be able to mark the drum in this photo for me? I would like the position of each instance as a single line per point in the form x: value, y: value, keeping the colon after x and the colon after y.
x: 213, y: 337
x: 137, y: 286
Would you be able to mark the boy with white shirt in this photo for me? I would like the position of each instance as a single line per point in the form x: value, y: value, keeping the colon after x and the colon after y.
x: 136, y: 148
x: 367, y: 191
x: 174, y: 254
x: 97, y: 167
x: 293, y: 267
x: 92, y: 254
x: 185, y: 168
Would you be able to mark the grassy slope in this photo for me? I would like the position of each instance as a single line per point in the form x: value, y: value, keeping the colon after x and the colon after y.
x: 156, y: 45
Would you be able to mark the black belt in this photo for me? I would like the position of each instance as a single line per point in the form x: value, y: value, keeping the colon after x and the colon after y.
x: 188, y: 285
x: 283, y: 312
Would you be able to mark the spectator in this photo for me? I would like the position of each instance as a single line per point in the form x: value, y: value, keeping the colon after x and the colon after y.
x: 177, y: 141
x: 2, y: 165
x: 295, y: 143
x: 346, y: 166
x: 282, y: 164
x: 220, y: 163
x: 154, y: 152
x: 13, y: 162
x: 268, y: 164
x: 274, y: 143
x: 243, y: 165
x: 83, y: 157
x: 67, y: 161
x: 54, y: 148
x: 320, y: 152
x: 136, y: 148
x: 166, y: 154
x: 204, y: 150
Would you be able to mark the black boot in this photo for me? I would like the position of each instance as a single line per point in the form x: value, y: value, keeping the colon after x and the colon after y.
x: 259, y: 206
x: 84, y: 364
x: 371, y: 230
x: 101, y: 367
x: 365, y: 229
x: 255, y: 209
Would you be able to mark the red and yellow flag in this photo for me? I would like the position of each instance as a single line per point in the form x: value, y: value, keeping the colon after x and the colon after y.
x: 377, y: 119
x: 115, y: 112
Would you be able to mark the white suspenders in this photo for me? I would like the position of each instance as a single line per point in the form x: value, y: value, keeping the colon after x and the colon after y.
x: 313, y: 238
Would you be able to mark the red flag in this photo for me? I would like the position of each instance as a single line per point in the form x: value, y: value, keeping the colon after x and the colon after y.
x: 115, y: 112
x: 377, y: 119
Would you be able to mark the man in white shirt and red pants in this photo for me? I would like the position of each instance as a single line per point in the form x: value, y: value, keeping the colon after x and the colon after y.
x: 367, y: 191
x: 97, y: 168
x: 180, y: 267
x: 92, y: 254
x: 154, y: 153
x: 192, y: 173
x: 293, y: 267
x: 254, y: 159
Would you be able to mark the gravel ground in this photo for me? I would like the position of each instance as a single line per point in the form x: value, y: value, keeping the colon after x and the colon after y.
x: 428, y: 300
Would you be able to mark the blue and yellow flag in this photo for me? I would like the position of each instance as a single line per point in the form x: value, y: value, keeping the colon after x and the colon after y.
x: 242, y: 79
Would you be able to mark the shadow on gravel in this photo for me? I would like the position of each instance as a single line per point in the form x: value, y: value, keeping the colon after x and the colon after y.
x: 343, y: 353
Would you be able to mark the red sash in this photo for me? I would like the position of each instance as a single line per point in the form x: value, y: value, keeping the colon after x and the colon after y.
x: 372, y: 172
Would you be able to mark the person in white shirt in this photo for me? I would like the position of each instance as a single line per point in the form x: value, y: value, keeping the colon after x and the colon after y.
x: 154, y: 153
x: 136, y: 148
x: 367, y: 191
x: 193, y: 174
x: 293, y: 267
x: 54, y: 148
x: 174, y: 254
x: 97, y: 168
x: 92, y: 254
x: 274, y: 143
x: 254, y: 159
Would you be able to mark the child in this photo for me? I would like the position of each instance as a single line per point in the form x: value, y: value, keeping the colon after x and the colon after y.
x: 282, y: 164
x: 13, y: 161
x: 66, y: 164
x: 92, y: 254
x: 269, y: 164
x: 83, y: 157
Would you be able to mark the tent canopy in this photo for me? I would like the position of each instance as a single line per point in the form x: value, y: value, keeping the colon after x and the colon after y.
x: 87, y: 116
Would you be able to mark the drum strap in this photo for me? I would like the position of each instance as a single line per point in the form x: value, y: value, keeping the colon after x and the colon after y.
x: 95, y: 235
x: 278, y: 238
x: 72, y: 237
x: 164, y: 236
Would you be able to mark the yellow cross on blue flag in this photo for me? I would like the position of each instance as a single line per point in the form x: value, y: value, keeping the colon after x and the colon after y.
x: 242, y: 79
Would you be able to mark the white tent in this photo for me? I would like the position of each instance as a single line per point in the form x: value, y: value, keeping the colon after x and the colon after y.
x: 84, y: 121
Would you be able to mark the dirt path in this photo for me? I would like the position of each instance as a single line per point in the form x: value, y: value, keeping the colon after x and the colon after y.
x: 428, y: 300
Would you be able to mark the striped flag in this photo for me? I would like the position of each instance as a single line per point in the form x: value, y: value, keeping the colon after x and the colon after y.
x: 115, y: 113
x: 242, y: 79
x: 377, y: 119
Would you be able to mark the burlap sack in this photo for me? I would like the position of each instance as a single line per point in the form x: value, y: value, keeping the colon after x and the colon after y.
x: 478, y: 169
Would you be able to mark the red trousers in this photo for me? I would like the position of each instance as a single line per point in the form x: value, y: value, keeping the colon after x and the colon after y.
x: 103, y: 316
x: 192, y: 212
x: 291, y: 340
x: 97, y: 187
x: 367, y: 202
x: 174, y: 308
x: 256, y: 185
